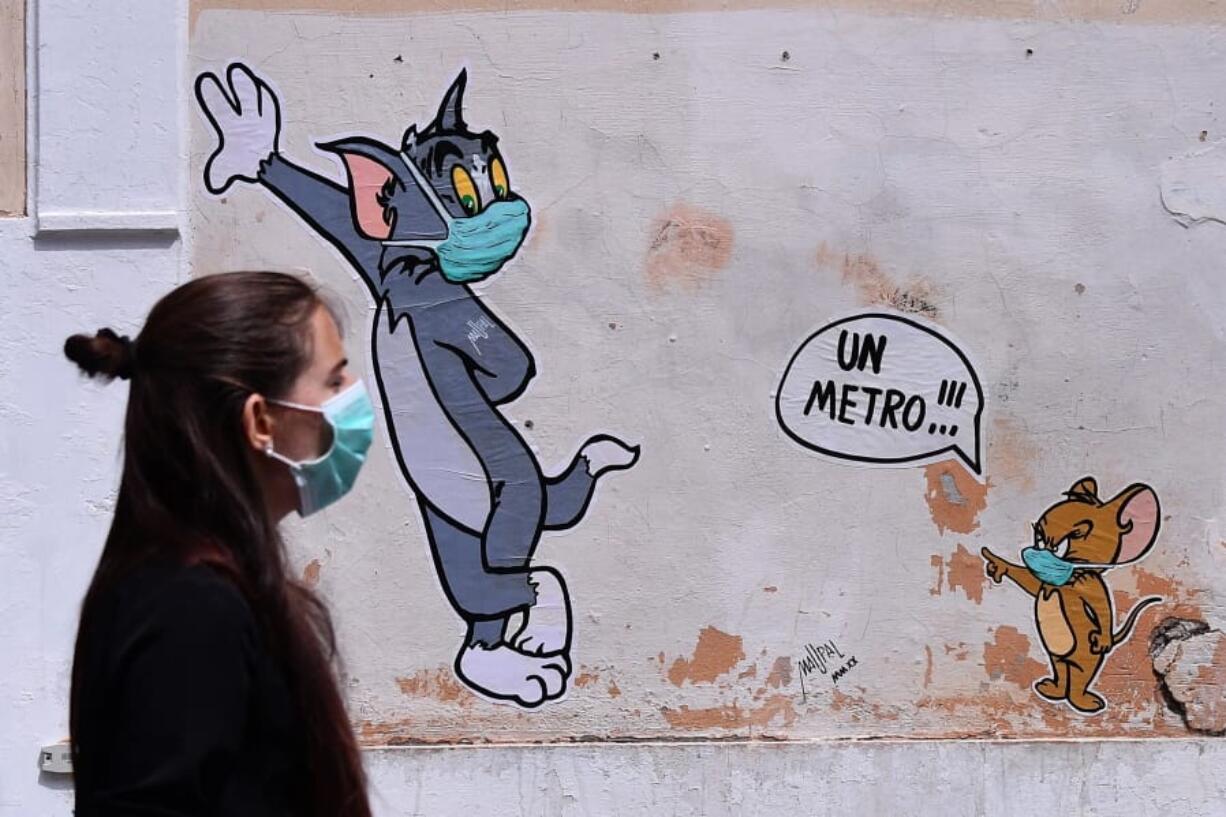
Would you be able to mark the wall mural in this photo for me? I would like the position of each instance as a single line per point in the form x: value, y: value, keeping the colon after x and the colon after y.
x: 421, y: 222
x: 885, y: 389
x: 1075, y: 541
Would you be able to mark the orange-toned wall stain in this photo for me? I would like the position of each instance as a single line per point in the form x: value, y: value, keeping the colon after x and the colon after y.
x: 966, y: 571
x: 876, y: 288
x: 1010, y: 454
x: 310, y: 574
x: 1166, y: 11
x: 936, y: 561
x: 955, y: 499
x: 959, y: 651
x: 716, y: 653
x: 439, y: 684
x: 927, y: 666
x: 687, y: 245
x: 732, y: 716
x: 584, y: 678
x: 1008, y: 656
x: 781, y: 673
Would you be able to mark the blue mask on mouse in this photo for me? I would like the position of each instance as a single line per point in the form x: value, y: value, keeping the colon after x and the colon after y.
x: 1050, y: 568
x: 476, y: 247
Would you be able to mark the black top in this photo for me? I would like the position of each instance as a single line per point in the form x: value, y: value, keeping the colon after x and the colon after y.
x: 182, y: 711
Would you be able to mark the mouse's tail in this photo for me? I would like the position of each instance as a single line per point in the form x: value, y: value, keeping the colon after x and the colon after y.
x: 1124, y: 631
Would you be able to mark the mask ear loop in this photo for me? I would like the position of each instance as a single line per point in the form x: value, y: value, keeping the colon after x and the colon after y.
x: 294, y: 464
x: 427, y: 189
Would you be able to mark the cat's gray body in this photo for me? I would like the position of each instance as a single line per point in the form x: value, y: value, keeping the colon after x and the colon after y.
x: 445, y: 363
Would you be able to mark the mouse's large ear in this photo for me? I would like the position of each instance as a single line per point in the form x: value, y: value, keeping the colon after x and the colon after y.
x: 384, y: 198
x: 1139, y: 516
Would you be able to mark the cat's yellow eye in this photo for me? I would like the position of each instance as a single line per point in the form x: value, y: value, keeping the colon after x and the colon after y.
x: 465, y: 190
x: 498, y: 176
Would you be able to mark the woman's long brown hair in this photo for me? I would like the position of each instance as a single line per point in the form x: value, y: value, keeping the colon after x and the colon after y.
x: 189, y: 492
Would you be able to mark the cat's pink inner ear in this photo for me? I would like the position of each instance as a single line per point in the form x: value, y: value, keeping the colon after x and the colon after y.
x: 1142, y: 511
x: 366, y: 180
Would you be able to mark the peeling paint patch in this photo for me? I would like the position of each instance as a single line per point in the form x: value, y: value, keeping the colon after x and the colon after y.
x: 1193, y: 187
x: 688, y: 245
x: 439, y: 684
x: 716, y: 653
x: 585, y: 679
x: 955, y: 499
x: 732, y: 716
x: 1008, y: 657
x: 310, y: 574
x: 781, y: 672
x: 966, y: 571
x: 936, y: 561
x: 875, y: 288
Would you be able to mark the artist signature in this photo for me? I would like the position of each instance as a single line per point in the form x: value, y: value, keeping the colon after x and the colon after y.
x: 825, y: 658
x: 479, y: 329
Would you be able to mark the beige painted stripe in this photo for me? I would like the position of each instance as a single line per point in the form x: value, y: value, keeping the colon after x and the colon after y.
x: 1123, y: 11
x: 12, y: 108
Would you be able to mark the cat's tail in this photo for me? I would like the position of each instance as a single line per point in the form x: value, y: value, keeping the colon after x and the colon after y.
x: 568, y: 494
x: 1126, y: 629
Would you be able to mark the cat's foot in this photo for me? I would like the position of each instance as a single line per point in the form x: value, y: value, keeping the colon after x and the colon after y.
x: 546, y: 624
x: 604, y: 453
x: 506, y: 674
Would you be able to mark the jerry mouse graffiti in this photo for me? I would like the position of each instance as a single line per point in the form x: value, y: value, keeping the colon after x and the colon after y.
x: 420, y: 222
x: 1076, y: 541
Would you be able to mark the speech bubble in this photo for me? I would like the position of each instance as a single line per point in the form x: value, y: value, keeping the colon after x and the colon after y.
x: 882, y: 388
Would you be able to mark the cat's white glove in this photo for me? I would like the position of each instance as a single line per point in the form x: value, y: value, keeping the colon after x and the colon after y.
x: 247, y: 120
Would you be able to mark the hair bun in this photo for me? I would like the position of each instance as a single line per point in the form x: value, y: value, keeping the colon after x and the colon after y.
x: 106, y: 354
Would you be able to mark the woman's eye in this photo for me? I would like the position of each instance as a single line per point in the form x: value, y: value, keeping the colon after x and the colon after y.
x: 465, y: 190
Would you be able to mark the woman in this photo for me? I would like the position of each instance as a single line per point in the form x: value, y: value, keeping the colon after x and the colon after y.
x: 202, y: 682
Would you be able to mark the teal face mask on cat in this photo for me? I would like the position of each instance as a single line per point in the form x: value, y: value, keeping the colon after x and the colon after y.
x: 328, y: 477
x: 476, y: 246
x: 1050, y: 568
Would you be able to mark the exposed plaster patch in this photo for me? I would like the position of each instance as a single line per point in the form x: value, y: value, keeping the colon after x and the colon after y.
x: 716, y: 653
x: 965, y: 571
x: 1007, y: 656
x: 1190, y: 662
x: 1193, y: 187
x: 954, y: 497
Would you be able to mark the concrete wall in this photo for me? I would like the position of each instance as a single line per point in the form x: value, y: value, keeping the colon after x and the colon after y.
x: 708, y: 188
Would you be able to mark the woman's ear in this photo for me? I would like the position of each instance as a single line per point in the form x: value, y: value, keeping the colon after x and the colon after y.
x: 257, y: 423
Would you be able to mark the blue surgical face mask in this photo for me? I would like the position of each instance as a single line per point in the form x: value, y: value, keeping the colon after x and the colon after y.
x: 476, y: 246
x: 1050, y: 568
x: 328, y: 477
